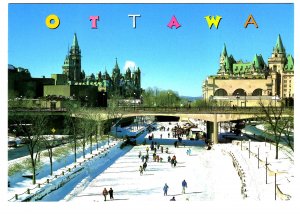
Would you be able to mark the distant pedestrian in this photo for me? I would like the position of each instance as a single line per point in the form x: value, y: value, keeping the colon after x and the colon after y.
x: 144, y: 166
x: 166, y: 187
x: 162, y: 149
x: 111, y: 194
x: 141, y: 170
x: 175, y: 144
x: 184, y: 186
x: 140, y: 154
x: 175, y: 162
x: 160, y: 136
x: 154, y: 156
x: 105, y: 193
x: 169, y: 158
x: 188, y: 152
x: 147, y: 149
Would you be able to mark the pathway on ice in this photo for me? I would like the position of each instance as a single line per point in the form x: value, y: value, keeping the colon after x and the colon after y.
x: 210, y: 175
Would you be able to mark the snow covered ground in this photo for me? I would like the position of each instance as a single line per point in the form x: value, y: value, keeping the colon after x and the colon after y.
x: 225, y: 173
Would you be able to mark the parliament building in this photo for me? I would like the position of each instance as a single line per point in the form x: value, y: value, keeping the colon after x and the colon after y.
x: 73, y: 83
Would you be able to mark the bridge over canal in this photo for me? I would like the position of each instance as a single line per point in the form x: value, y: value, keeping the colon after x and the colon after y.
x: 212, y: 115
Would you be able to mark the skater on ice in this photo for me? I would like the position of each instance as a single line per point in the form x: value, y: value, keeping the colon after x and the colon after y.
x: 105, y: 193
x: 166, y: 187
x: 184, y: 186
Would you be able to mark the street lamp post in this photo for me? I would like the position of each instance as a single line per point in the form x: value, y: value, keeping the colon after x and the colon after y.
x: 141, y: 99
x: 249, y: 147
x: 134, y: 100
x: 86, y: 101
x: 275, y: 185
x: 267, y: 170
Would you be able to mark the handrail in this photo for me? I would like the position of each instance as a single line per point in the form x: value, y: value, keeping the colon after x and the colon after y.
x: 49, y: 180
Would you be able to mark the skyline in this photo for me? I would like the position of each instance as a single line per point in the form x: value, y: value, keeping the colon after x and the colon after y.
x: 177, y: 59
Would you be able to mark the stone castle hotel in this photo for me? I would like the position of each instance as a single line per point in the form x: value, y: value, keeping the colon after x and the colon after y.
x: 92, y: 90
x: 245, y: 84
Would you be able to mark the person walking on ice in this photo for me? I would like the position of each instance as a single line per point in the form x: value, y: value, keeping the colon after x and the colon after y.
x: 166, y: 187
x: 184, y: 185
x: 189, y: 151
x: 105, y: 193
x: 111, y: 194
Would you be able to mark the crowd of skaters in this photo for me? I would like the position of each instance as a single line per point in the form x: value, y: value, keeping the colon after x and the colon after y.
x: 155, y: 148
x: 175, y: 132
x: 157, y: 153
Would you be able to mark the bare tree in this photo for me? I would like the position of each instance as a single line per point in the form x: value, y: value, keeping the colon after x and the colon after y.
x: 274, y: 118
x: 50, y: 144
x: 72, y: 125
x: 287, y: 126
x: 32, y: 126
x: 114, y: 112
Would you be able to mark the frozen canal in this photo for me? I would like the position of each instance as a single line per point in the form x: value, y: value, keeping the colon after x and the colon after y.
x: 210, y: 175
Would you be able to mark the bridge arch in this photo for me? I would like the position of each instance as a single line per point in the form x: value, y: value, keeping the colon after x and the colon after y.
x: 257, y: 92
x: 239, y: 92
x: 220, y: 92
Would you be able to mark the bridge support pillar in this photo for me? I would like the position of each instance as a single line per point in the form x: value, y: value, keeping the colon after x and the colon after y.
x: 212, y: 130
x: 216, y: 131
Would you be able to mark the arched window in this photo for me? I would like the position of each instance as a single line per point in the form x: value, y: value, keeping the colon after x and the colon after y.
x: 257, y: 92
x: 220, y: 92
x: 239, y: 92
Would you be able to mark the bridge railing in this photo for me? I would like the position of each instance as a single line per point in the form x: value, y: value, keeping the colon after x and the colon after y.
x: 192, y: 110
x: 175, y: 110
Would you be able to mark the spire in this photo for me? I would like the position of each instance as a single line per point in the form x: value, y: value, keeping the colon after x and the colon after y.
x: 255, y: 61
x: 224, y: 52
x: 117, y: 66
x: 75, y: 41
x: 279, y: 46
x: 290, y: 63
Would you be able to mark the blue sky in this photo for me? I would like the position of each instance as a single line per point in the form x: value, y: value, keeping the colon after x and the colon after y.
x: 178, y: 59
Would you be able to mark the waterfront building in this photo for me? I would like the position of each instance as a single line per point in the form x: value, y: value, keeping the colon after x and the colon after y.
x: 245, y: 84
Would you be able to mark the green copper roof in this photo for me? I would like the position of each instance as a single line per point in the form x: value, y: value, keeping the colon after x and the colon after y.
x: 258, y: 61
x: 227, y: 63
x: 224, y: 52
x: 279, y: 46
x: 242, y: 68
x: 290, y: 63
x: 75, y: 41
